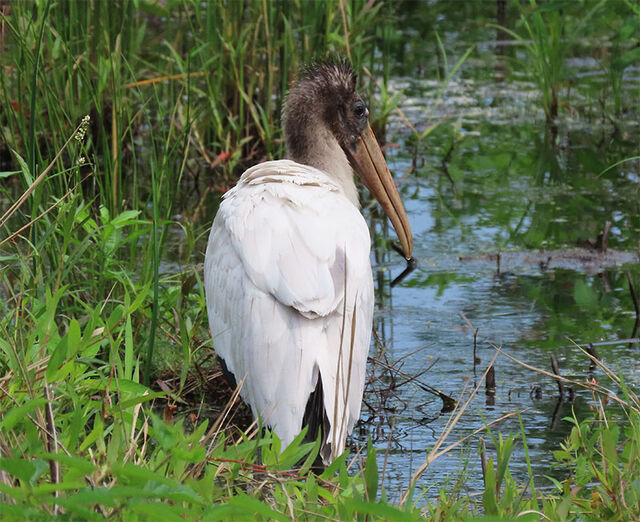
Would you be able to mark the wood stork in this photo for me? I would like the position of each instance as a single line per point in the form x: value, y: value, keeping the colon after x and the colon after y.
x: 287, y: 269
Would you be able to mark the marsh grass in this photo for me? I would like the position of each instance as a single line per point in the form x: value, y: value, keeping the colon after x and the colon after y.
x: 551, y: 32
x: 115, y: 458
x: 177, y: 95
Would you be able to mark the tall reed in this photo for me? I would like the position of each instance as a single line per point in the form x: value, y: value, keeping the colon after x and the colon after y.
x: 549, y: 37
x: 176, y: 94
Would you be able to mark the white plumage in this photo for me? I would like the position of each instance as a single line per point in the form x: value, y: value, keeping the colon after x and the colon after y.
x: 288, y: 259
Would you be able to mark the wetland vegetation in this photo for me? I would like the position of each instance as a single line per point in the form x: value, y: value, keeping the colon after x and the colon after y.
x: 512, y: 129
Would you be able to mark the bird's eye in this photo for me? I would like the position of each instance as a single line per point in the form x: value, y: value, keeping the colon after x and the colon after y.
x: 360, y: 110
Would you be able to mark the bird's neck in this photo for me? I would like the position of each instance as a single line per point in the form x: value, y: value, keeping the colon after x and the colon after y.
x: 325, y: 154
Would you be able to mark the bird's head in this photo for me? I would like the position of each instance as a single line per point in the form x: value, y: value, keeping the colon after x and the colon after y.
x: 326, y: 122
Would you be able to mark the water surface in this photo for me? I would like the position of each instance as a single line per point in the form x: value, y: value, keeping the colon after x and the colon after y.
x: 495, y: 178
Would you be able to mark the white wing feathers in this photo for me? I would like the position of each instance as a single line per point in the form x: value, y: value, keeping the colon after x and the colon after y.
x: 283, y: 244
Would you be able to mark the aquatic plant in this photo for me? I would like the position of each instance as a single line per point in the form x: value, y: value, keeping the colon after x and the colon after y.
x: 625, y: 51
x: 548, y: 38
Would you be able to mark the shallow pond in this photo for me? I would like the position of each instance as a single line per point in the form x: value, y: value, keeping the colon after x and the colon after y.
x: 508, y: 215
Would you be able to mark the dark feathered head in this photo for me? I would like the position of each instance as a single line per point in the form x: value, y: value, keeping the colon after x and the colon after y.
x: 324, y: 96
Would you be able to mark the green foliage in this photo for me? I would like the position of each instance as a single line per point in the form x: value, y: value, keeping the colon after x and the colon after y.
x: 625, y: 51
x: 502, y: 496
x: 191, y: 81
x: 549, y: 37
x: 116, y: 458
x: 160, y: 90
x: 603, y: 457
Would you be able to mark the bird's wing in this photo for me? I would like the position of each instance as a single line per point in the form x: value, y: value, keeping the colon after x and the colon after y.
x: 291, y: 231
x: 286, y: 256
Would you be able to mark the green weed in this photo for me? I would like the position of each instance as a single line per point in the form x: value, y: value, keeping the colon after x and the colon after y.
x: 549, y: 37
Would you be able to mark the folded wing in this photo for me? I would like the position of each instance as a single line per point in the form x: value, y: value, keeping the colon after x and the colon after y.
x: 287, y: 270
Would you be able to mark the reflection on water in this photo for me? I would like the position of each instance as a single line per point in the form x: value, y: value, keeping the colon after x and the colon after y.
x: 512, y: 254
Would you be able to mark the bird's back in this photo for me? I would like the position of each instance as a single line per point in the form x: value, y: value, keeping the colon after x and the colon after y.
x: 290, y: 297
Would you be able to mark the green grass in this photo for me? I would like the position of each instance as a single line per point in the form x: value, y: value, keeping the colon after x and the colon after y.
x: 552, y: 32
x: 88, y: 312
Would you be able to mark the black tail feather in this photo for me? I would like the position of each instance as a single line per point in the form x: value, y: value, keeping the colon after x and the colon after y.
x: 228, y: 376
x: 315, y: 417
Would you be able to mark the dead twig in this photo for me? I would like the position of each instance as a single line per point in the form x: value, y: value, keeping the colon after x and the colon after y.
x: 634, y: 299
x: 556, y: 370
x: 435, y: 452
x: 589, y: 385
x: 51, y: 443
x: 446, y: 399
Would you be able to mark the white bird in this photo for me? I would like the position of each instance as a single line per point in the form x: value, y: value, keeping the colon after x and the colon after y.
x: 287, y: 269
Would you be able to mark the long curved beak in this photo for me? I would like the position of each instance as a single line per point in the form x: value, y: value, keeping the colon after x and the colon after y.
x: 367, y: 160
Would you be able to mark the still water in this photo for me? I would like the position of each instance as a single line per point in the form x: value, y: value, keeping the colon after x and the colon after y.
x: 495, y: 179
